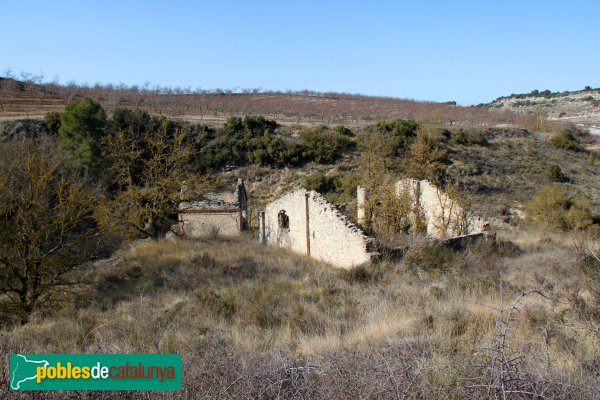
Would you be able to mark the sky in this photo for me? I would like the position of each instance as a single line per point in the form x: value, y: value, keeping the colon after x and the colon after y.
x: 464, y: 51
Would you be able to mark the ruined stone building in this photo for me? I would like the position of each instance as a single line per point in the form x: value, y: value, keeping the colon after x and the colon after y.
x: 440, y: 213
x: 217, y: 214
x: 306, y: 223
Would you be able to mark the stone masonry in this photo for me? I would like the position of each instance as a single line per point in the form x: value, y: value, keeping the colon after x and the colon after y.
x: 306, y: 223
x: 218, y: 214
x: 442, y: 215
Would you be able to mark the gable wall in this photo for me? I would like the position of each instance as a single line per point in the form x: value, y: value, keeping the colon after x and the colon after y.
x: 444, y: 216
x: 332, y: 237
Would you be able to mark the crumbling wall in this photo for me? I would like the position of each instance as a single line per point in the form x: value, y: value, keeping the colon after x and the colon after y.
x: 442, y: 214
x: 218, y: 214
x: 305, y: 223
x: 361, y: 199
x: 195, y: 225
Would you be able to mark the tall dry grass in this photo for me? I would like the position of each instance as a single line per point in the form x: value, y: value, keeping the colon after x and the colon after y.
x: 260, y: 322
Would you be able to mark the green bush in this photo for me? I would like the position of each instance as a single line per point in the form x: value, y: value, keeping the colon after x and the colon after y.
x: 401, y: 132
x: 555, y: 174
x: 337, y: 188
x: 579, y: 217
x: 591, y: 160
x: 359, y: 274
x: 380, y: 146
x: 470, y: 137
x: 428, y: 156
x: 322, y: 183
x: 82, y: 126
x: 342, y: 130
x: 554, y: 207
x: 23, y: 128
x: 251, y: 140
x: 565, y: 140
x: 217, y: 304
x: 323, y: 145
x: 303, y: 319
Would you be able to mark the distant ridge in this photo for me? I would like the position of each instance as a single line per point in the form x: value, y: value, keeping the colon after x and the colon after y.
x: 581, y: 107
x: 18, y: 97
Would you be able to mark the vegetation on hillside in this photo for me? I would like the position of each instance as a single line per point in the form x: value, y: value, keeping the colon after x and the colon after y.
x: 49, y: 228
x: 258, y: 321
x: 429, y: 322
x: 33, y: 95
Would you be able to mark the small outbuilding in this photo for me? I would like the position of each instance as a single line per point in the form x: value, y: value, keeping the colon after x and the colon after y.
x: 217, y: 214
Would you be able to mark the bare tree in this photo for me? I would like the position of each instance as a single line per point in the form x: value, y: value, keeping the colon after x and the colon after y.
x: 148, y: 169
x: 48, y: 227
x: 8, y: 90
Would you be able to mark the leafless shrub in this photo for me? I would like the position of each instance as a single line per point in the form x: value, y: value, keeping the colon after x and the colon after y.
x: 504, y: 364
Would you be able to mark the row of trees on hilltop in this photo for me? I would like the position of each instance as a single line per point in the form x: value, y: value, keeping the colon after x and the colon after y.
x: 301, y: 105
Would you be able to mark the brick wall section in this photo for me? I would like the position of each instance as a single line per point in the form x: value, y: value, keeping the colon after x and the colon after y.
x: 331, y: 236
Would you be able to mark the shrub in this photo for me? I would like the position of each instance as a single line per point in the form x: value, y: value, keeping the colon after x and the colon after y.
x: 591, y: 160
x: 303, y: 319
x: 552, y: 206
x: 549, y: 206
x: 52, y: 121
x: 579, y: 217
x: 430, y: 258
x: 342, y: 130
x: 322, y: 183
x: 402, y: 132
x: 249, y: 140
x: 555, y: 174
x: 322, y: 145
x: 82, y: 125
x: 470, y: 137
x: 22, y: 128
x: 588, y: 264
x: 217, y: 304
x: 388, y: 214
x: 428, y: 156
x: 359, y: 274
x: 565, y: 140
x: 381, y: 144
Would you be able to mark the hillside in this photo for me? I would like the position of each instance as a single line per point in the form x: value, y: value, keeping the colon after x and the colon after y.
x: 516, y: 313
x: 259, y: 322
x: 33, y: 99
x: 578, y: 107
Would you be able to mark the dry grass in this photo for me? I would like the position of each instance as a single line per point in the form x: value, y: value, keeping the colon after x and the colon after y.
x: 235, y: 303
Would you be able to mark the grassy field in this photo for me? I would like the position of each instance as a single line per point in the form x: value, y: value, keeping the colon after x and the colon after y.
x: 259, y: 322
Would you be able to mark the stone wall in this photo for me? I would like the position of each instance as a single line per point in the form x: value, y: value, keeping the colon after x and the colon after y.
x: 210, y: 223
x: 443, y: 215
x: 305, y: 223
x: 217, y: 214
x: 361, y: 199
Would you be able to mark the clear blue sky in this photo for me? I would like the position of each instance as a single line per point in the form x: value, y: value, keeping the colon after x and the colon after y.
x: 468, y: 51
